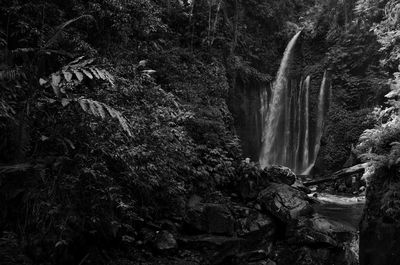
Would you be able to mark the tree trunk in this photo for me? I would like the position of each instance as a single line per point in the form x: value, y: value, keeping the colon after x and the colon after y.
x: 339, y: 174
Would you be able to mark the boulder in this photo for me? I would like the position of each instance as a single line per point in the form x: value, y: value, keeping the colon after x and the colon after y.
x: 306, y: 236
x: 195, y: 218
x: 255, y: 226
x: 318, y: 240
x: 316, y: 231
x: 215, y: 248
x: 251, y: 256
x: 307, y: 255
x: 211, y: 218
x: 194, y: 200
x: 209, y: 242
x: 284, y: 202
x: 164, y: 240
x: 219, y: 219
x: 324, y: 225
x: 279, y: 174
x: 264, y: 262
x: 298, y: 184
x: 146, y: 235
x: 248, y: 188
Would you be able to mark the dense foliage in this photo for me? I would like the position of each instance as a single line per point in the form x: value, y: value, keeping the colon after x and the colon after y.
x: 113, y: 112
x: 380, y: 144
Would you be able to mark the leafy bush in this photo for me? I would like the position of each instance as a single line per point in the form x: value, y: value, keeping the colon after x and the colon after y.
x: 380, y: 145
x: 94, y: 147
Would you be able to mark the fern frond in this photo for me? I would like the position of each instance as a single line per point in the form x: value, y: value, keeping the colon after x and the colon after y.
x: 368, y: 134
x: 103, y: 111
x: 74, y: 73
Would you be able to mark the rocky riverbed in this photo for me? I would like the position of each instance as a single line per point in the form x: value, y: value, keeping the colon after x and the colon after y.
x: 269, y: 221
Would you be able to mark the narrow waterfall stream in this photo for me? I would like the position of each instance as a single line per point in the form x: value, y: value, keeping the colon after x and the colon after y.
x: 286, y: 119
x: 320, y: 123
x: 305, y: 158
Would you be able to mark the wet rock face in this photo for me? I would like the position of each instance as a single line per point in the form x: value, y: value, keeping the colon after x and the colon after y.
x: 279, y: 174
x: 285, y: 202
x: 249, y: 187
x: 380, y: 226
x: 379, y: 243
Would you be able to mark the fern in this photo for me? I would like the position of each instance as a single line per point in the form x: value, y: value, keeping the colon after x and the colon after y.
x: 103, y: 111
x: 74, y: 73
x: 381, y: 145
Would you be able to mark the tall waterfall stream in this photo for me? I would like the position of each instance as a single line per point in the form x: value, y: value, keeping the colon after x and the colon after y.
x: 286, y: 120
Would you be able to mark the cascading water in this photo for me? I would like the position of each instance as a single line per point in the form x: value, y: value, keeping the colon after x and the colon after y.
x: 286, y: 120
x: 305, y: 158
x: 320, y: 123
x: 272, y: 145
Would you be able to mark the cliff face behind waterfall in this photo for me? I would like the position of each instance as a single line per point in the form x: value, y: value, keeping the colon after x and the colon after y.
x: 354, y: 87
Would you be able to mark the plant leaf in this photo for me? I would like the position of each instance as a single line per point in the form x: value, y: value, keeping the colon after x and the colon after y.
x: 78, y: 75
x: 67, y: 75
x: 42, y: 81
x: 87, y: 73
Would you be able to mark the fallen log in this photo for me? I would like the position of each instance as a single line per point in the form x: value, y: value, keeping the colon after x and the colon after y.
x: 338, y: 174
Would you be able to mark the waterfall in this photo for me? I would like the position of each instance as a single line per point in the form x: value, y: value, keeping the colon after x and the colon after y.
x: 320, y: 123
x: 286, y: 120
x: 269, y: 153
x: 264, y: 101
x: 307, y: 124
x: 299, y: 120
